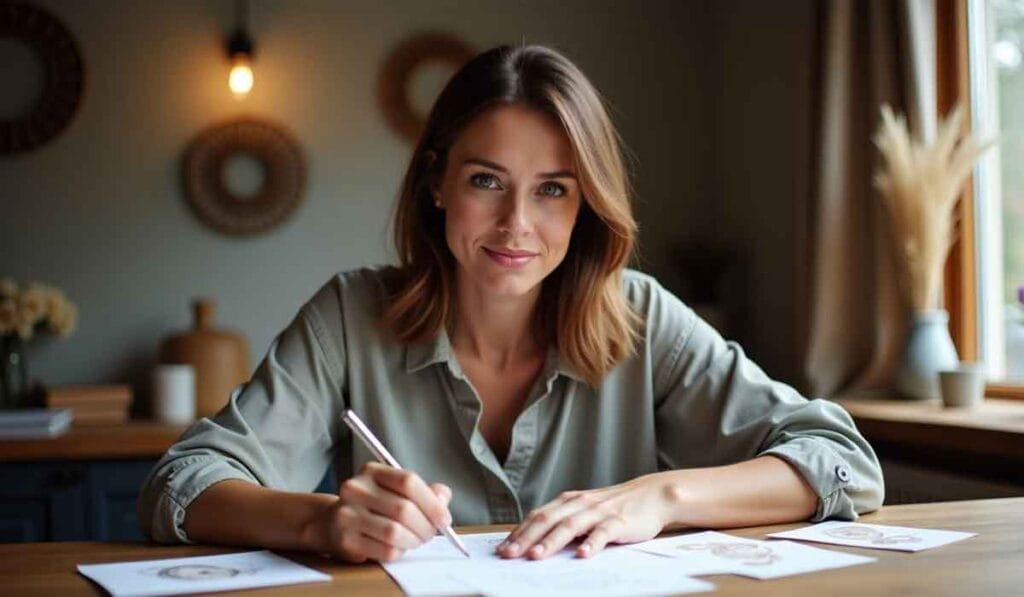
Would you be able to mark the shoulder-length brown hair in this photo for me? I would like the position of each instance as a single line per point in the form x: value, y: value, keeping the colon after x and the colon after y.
x: 582, y: 307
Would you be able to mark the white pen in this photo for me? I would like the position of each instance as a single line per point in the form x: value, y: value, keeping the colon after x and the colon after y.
x: 373, y: 444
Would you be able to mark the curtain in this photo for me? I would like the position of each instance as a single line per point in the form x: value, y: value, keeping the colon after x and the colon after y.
x: 871, y: 52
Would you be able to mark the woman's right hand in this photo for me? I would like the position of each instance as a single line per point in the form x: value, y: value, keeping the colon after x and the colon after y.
x: 382, y: 512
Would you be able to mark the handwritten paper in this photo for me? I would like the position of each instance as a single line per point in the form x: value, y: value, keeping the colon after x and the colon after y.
x: 200, y: 574
x: 438, y: 568
x: 874, y: 536
x: 718, y: 553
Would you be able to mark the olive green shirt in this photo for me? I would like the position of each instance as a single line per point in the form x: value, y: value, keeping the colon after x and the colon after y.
x: 686, y: 399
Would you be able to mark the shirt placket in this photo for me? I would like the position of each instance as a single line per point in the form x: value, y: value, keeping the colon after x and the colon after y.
x: 502, y: 502
x: 526, y: 430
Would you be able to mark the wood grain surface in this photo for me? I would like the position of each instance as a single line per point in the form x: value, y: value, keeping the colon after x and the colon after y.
x: 990, y: 564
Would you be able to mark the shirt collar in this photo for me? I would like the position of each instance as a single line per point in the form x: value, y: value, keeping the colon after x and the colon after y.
x: 428, y: 352
x: 439, y: 350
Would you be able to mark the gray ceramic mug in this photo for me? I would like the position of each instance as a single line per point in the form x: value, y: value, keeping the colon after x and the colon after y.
x: 964, y: 386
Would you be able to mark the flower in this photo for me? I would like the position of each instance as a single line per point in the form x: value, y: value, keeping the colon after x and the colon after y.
x: 36, y: 306
x: 64, y: 318
x: 32, y: 304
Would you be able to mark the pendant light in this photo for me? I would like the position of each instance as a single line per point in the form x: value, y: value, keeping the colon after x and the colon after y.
x: 240, y: 52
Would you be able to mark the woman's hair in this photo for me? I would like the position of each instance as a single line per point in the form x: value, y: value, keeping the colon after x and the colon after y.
x: 582, y: 306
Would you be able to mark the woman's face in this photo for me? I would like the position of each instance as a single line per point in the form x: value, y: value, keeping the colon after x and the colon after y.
x: 510, y: 195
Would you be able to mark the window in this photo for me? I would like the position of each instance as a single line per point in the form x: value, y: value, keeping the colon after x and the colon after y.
x: 995, y: 48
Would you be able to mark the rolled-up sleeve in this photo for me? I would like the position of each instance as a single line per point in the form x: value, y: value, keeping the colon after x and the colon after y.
x: 276, y: 430
x: 715, y: 406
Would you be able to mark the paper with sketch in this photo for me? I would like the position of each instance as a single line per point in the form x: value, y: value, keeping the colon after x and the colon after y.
x: 717, y: 553
x: 874, y: 536
x: 438, y: 568
x: 200, y: 574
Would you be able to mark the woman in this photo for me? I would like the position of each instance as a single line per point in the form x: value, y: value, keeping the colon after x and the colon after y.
x: 513, y: 363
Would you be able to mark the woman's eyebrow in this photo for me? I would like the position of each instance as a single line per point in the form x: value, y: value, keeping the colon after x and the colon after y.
x: 500, y: 168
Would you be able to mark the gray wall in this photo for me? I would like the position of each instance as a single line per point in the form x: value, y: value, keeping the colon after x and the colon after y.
x: 709, y: 96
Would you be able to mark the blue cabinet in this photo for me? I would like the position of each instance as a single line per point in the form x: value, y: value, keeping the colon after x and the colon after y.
x: 42, y: 502
x: 91, y: 500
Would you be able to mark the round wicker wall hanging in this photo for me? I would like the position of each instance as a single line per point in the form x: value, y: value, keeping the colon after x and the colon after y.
x: 217, y: 205
x: 399, y: 70
x: 63, y: 76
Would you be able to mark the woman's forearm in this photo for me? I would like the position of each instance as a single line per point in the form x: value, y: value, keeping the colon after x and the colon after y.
x: 761, y: 491
x: 236, y: 512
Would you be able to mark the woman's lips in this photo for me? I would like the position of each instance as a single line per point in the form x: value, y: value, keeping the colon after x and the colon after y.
x: 508, y: 258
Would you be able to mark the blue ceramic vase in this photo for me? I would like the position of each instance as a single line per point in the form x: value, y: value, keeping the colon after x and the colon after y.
x: 928, y: 349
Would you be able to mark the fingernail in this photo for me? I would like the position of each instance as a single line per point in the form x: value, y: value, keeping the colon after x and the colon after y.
x: 583, y: 550
x: 513, y: 547
x: 536, y: 550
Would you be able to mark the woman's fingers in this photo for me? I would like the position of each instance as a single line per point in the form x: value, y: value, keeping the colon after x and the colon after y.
x: 600, y: 536
x: 386, y: 511
x: 565, y: 531
x: 385, y: 530
x: 357, y: 546
x: 539, y: 522
x: 366, y: 494
x: 410, y: 486
x: 443, y: 493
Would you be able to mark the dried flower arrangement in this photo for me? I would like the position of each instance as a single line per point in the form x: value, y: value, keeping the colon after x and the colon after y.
x: 34, y: 308
x: 920, y: 185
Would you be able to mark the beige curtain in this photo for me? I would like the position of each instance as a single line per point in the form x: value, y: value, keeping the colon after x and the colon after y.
x: 871, y: 52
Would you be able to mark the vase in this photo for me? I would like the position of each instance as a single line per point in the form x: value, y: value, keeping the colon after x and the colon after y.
x: 13, y: 372
x: 220, y: 358
x: 928, y: 349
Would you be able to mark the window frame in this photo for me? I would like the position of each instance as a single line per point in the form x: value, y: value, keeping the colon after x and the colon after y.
x: 961, y: 270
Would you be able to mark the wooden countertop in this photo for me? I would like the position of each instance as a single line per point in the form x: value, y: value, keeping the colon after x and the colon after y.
x: 991, y: 563
x: 135, y: 439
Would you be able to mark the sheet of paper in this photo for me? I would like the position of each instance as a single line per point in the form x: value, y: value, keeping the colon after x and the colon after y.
x: 717, y: 553
x: 874, y: 536
x: 200, y: 574
x: 438, y: 568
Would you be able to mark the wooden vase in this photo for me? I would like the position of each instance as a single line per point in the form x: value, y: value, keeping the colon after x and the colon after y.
x: 220, y: 358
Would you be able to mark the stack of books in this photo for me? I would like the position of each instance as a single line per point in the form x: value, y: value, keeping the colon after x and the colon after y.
x: 93, y: 405
x: 32, y: 423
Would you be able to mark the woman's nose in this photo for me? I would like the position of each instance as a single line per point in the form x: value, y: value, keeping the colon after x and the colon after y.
x: 516, y: 216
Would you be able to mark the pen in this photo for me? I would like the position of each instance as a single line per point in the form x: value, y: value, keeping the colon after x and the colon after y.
x: 373, y: 444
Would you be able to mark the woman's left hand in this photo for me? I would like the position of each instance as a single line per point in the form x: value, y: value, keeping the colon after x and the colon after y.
x: 626, y: 513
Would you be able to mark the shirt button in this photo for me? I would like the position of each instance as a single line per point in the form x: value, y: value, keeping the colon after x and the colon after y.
x: 842, y: 473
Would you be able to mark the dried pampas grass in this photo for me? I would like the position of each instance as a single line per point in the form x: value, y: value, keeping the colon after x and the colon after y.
x: 920, y: 185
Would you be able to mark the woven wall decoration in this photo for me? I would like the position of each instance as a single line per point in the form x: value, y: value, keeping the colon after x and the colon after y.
x: 399, y: 70
x: 63, y: 77
x: 284, y: 176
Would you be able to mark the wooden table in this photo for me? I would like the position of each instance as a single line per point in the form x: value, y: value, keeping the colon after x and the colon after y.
x: 990, y: 564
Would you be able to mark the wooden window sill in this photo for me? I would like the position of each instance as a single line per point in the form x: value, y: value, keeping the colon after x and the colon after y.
x: 987, y: 439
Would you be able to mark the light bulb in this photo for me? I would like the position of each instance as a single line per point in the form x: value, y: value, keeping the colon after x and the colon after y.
x: 241, y: 78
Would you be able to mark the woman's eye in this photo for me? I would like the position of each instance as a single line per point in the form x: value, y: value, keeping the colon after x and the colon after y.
x: 485, y: 181
x: 552, y: 189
